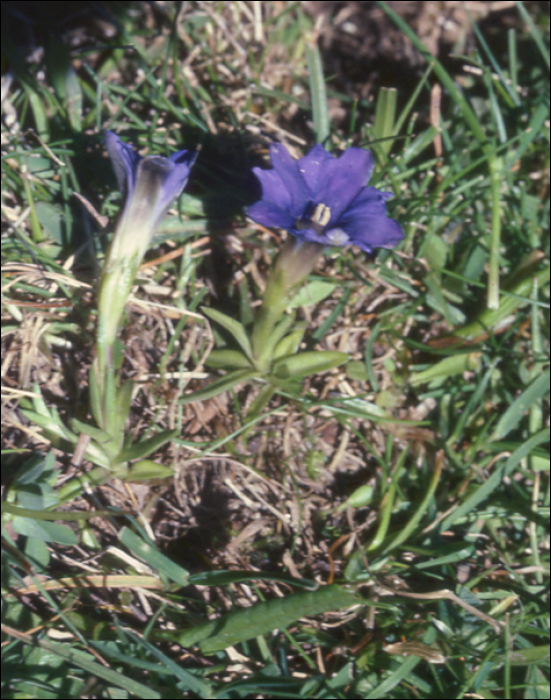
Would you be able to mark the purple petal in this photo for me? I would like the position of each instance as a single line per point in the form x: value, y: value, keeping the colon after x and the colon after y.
x: 273, y: 188
x: 343, y: 178
x: 184, y: 157
x: 376, y: 232
x: 310, y: 235
x: 270, y: 214
x: 366, y: 221
x: 330, y: 194
x: 161, y: 180
x: 125, y: 162
x: 288, y: 171
x: 312, y: 167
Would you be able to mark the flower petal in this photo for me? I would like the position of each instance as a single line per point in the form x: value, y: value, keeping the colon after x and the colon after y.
x: 343, y: 178
x: 270, y: 214
x: 273, y: 188
x: 173, y: 173
x: 366, y: 221
x: 159, y: 181
x: 292, y: 179
x: 325, y: 200
x: 312, y: 167
x: 125, y: 162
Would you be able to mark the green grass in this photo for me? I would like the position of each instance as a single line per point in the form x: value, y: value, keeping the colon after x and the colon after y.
x: 414, y: 479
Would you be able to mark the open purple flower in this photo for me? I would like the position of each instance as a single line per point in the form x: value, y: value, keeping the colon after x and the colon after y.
x: 325, y: 200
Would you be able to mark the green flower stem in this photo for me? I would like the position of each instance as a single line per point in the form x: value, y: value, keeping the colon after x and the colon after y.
x: 276, y: 300
x: 295, y: 262
x: 115, y: 286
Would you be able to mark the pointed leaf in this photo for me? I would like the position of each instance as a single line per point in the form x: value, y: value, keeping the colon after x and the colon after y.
x: 312, y: 293
x: 157, y: 561
x: 521, y: 405
x: 264, y: 617
x: 318, y: 92
x: 39, y: 404
x: 264, y: 396
x: 234, y: 328
x: 223, y: 577
x: 306, y: 363
x: 290, y: 344
x: 105, y: 441
x: 146, y: 469
x: 227, y: 359
x: 448, y: 367
x: 124, y: 399
x: 44, y: 530
x: 94, y: 391
x: 225, y: 383
x: 537, y: 655
x: 267, y: 352
x: 141, y: 449
x: 97, y: 455
x: 50, y: 426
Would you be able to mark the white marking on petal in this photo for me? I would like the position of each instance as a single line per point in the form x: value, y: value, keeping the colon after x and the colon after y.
x: 337, y: 236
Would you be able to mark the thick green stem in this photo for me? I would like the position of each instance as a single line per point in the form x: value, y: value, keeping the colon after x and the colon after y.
x: 295, y: 262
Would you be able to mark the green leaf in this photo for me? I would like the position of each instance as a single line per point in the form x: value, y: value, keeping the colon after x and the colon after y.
x: 385, y: 116
x: 527, y: 657
x: 290, y: 344
x: 153, y: 558
x: 521, y: 405
x: 123, y: 402
x: 52, y: 220
x: 44, y: 530
x: 260, y: 402
x: 142, y: 449
x: 74, y: 98
x: 274, y: 338
x: 312, y: 293
x: 97, y: 455
x: 318, y: 93
x: 234, y: 328
x: 146, y: 469
x: 487, y: 488
x: 515, y: 298
x: 94, y: 669
x: 51, y: 427
x: 264, y: 617
x: 32, y: 471
x: 65, y: 82
x: 225, y: 383
x: 227, y: 359
x: 448, y: 367
x: 95, y: 396
x: 306, y: 363
x: 105, y: 441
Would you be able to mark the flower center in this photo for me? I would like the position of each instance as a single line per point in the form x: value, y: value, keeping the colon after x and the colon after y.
x: 316, y: 218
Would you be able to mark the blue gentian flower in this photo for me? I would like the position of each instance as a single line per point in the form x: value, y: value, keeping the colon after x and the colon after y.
x: 322, y: 199
x: 149, y: 185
